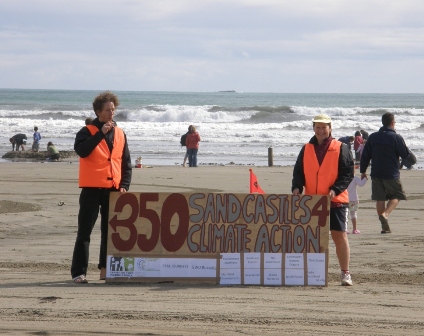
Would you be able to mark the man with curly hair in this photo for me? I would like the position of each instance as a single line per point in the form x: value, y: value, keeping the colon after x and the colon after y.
x: 105, y: 167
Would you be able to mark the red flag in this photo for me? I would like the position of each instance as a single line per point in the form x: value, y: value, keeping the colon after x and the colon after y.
x: 254, y: 185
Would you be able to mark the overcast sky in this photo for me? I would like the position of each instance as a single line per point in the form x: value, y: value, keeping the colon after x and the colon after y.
x: 200, y: 45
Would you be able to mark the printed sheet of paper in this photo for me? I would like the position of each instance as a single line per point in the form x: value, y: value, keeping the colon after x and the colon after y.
x: 316, y: 269
x: 230, y: 269
x: 272, y: 269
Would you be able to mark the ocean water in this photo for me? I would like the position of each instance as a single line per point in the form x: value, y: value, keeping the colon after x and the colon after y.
x: 235, y: 127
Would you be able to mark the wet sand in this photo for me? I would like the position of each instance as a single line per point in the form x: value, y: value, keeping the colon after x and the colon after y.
x: 38, y: 297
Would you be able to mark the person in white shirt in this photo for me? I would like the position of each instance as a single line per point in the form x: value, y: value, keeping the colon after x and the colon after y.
x: 354, y: 200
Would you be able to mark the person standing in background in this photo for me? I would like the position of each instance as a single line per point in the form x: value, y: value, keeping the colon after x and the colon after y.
x: 36, y: 140
x: 360, y: 150
x: 354, y: 201
x: 183, y: 144
x: 325, y: 167
x: 192, y: 144
x: 364, y: 134
x: 384, y: 148
x: 358, y: 141
x: 105, y: 167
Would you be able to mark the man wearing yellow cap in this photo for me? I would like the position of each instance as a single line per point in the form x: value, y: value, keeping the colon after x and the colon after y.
x: 325, y: 166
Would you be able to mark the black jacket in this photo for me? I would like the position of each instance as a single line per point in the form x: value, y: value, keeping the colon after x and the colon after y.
x: 384, y: 149
x: 85, y: 143
x: 19, y: 138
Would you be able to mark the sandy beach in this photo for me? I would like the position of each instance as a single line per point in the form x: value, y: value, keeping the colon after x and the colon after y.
x: 38, y: 296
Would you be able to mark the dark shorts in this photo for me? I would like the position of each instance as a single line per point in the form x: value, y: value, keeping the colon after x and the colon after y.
x: 383, y: 190
x: 55, y: 157
x: 339, y: 218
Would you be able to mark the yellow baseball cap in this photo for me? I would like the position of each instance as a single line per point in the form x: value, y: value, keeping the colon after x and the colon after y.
x: 322, y: 118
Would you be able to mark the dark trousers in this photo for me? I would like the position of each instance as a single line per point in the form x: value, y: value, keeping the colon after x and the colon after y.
x: 192, y: 157
x: 91, y: 201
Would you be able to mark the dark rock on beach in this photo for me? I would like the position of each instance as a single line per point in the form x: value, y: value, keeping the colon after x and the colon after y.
x: 39, y: 156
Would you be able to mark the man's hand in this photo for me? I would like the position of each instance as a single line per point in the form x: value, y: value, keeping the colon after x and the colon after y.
x: 122, y: 190
x: 296, y: 192
x: 107, y: 127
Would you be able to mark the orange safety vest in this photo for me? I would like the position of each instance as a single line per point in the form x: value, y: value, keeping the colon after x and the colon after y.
x: 102, y: 169
x: 319, y: 179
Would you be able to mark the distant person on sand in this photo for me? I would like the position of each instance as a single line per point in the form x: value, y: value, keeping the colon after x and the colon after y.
x: 18, y: 140
x: 105, y: 167
x: 183, y: 144
x: 325, y: 167
x: 348, y: 140
x: 88, y: 121
x: 384, y: 148
x: 364, y: 134
x: 52, y: 152
x: 192, y: 144
x: 36, y: 140
x: 354, y: 200
x: 357, y: 142
x: 358, y: 153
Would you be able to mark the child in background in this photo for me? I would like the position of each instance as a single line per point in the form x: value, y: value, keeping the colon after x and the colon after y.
x: 37, y: 137
x: 358, y: 141
x: 360, y: 149
x: 354, y: 200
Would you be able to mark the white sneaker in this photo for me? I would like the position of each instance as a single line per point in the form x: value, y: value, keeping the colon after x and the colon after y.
x: 346, y: 279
